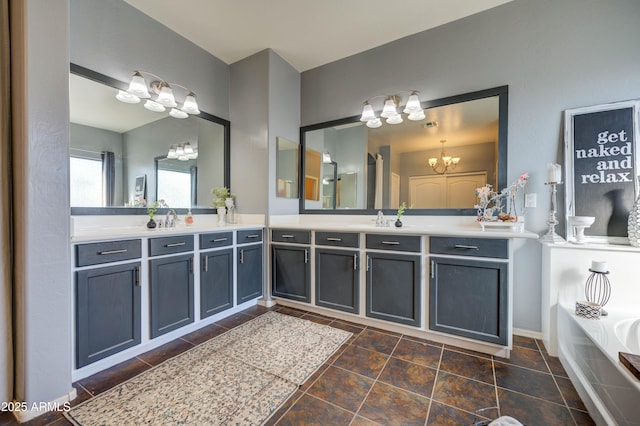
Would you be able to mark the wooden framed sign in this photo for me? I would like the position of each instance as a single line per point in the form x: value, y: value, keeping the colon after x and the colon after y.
x: 601, y: 163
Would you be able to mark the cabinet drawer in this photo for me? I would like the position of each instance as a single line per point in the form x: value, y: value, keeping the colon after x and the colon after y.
x: 218, y: 239
x: 393, y: 242
x: 104, y: 252
x: 250, y: 236
x: 168, y: 245
x: 289, y: 236
x: 341, y: 239
x: 479, y: 247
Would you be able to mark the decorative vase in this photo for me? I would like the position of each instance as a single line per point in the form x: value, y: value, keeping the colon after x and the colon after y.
x: 228, y: 202
x: 151, y: 224
x: 222, y: 211
x: 398, y: 223
x: 633, y: 224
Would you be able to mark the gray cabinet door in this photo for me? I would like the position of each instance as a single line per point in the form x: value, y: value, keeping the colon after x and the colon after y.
x: 337, y: 279
x: 249, y: 264
x: 469, y: 298
x: 171, y: 289
x: 291, y: 272
x: 216, y: 282
x: 393, y: 287
x: 107, y: 311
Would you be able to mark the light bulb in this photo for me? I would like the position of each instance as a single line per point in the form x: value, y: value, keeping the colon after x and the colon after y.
x: 413, y: 104
x: 190, y: 105
x: 165, y: 97
x: 367, y: 112
x: 433, y: 161
x: 138, y: 86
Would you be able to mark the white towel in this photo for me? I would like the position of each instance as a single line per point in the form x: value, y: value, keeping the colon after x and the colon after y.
x: 505, y: 421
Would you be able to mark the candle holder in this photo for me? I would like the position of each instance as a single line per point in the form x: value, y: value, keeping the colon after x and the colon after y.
x: 551, y: 236
x: 598, y: 288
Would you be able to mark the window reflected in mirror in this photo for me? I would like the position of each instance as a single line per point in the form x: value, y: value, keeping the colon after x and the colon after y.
x: 287, y: 166
x: 433, y: 165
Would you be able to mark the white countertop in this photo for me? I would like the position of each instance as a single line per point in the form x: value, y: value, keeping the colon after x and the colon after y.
x: 460, y: 226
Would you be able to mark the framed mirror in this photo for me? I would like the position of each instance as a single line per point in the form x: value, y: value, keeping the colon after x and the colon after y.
x: 118, y: 152
x: 349, y: 168
x: 287, y: 154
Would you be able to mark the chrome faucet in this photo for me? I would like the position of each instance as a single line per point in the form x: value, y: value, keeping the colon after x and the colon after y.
x: 171, y: 219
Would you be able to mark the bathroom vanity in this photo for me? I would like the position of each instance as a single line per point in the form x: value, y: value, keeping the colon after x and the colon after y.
x: 137, y: 289
x: 443, y: 279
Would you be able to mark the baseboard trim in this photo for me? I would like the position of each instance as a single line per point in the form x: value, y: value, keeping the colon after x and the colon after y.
x: 36, y: 409
x: 527, y: 333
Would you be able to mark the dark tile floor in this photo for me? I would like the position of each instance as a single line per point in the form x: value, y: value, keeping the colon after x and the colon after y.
x: 385, y: 378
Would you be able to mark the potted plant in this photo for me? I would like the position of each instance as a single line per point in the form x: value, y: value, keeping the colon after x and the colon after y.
x: 151, y: 211
x: 401, y: 210
x: 219, y: 201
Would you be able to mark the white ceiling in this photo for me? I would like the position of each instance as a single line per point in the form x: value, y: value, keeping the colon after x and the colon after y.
x: 306, y: 33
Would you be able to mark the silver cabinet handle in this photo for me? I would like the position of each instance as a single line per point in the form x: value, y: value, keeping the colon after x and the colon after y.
x: 175, y: 244
x: 256, y: 236
x: 241, y: 255
x: 287, y: 236
x: 333, y: 239
x: 368, y: 263
x: 355, y: 262
x: 391, y: 243
x: 465, y: 247
x: 137, y: 272
x: 103, y: 253
x: 433, y: 267
x: 218, y: 240
x: 191, y: 265
x: 306, y: 256
x: 206, y: 263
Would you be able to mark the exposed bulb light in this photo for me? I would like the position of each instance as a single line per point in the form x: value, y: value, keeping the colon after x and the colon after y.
x: 444, y: 163
x: 367, y: 112
x: 154, y: 106
x: 190, y: 105
x: 127, y: 97
x: 138, y: 89
x: 389, y: 108
x: 413, y: 109
x: 176, y: 113
x: 165, y: 97
x: 138, y: 86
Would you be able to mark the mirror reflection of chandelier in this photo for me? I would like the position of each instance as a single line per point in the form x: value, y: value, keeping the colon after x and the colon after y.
x: 183, y: 152
x: 444, y: 163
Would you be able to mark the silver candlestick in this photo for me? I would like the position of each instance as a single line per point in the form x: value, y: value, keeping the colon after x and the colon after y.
x: 551, y: 236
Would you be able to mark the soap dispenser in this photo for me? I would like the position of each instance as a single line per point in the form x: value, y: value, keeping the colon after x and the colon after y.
x: 188, y: 219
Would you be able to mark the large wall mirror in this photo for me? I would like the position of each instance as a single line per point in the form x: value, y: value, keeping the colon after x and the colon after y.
x: 349, y: 168
x: 118, y: 152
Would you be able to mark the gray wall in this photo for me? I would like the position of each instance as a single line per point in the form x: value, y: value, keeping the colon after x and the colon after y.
x: 42, y: 283
x: 113, y: 38
x: 553, y: 54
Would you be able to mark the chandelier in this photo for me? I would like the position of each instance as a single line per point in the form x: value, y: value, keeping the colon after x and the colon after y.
x: 182, y: 152
x: 138, y: 90
x: 444, y: 163
x: 413, y: 109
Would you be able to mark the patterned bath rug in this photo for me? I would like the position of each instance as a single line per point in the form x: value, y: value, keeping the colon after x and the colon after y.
x: 238, y: 378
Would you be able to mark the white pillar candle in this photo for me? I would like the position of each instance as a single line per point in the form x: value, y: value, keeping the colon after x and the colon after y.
x: 598, y: 266
x: 554, y: 172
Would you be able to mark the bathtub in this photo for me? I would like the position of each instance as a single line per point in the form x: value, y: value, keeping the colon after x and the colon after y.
x: 588, y: 350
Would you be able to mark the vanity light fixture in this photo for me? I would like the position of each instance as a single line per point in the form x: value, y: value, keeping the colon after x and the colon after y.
x: 138, y: 90
x: 183, y: 152
x: 413, y: 109
x: 444, y: 163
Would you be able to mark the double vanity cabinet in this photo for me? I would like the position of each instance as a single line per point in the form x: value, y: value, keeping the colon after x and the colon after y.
x: 455, y: 289
x: 129, y: 293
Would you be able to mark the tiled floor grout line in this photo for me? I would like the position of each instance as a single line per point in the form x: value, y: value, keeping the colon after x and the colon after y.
x: 433, y: 388
x: 377, y: 377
